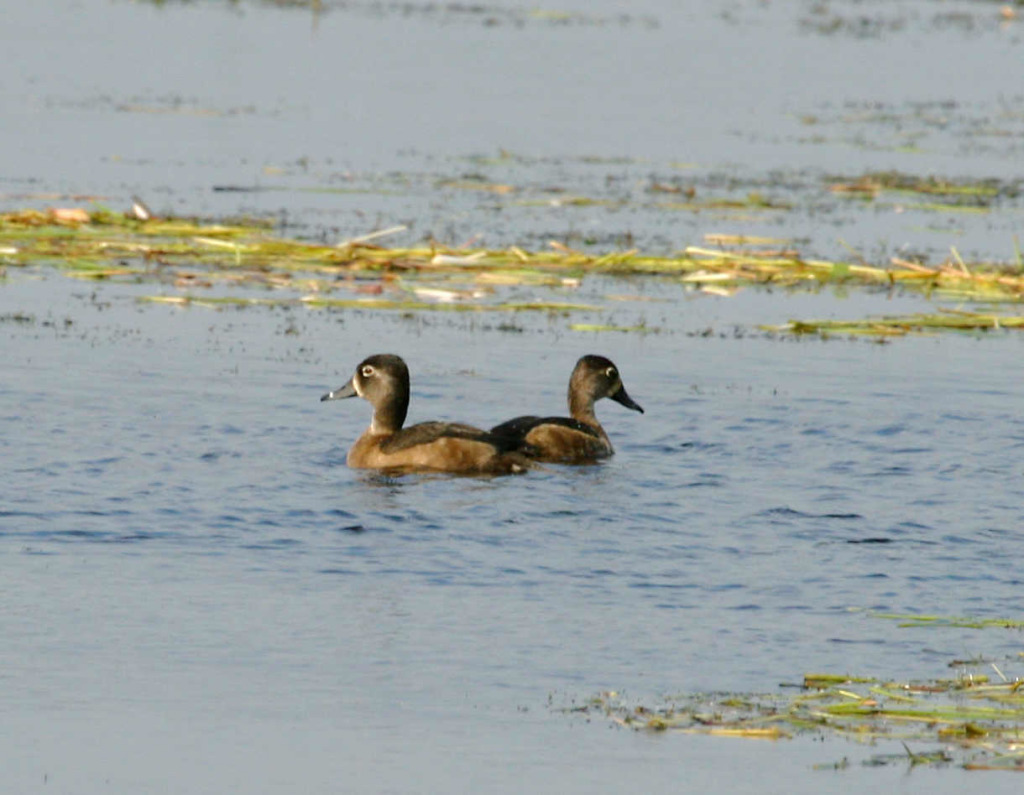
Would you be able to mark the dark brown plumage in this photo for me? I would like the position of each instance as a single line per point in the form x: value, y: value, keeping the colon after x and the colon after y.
x: 579, y: 438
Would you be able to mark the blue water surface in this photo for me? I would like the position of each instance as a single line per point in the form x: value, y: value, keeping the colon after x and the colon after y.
x: 192, y: 573
x: 199, y: 596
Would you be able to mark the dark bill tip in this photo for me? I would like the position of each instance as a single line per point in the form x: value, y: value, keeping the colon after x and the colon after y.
x: 623, y: 397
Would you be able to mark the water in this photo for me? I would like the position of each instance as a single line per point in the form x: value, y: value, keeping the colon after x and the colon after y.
x: 366, y: 115
x: 192, y: 574
x: 200, y: 597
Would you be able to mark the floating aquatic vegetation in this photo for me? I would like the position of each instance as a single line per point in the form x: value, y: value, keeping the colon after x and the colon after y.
x: 976, y: 722
x: 928, y: 194
x: 976, y: 717
x: 479, y: 185
x: 875, y: 182
x: 889, y: 19
x: 598, y: 327
x: 189, y: 254
x: 901, y: 325
x: 918, y: 620
x: 752, y: 201
x: 371, y: 303
x: 955, y: 128
x: 570, y: 201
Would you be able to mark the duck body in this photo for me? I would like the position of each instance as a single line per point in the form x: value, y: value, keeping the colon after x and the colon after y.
x: 579, y: 438
x: 438, y: 446
x: 557, y: 440
x: 383, y: 380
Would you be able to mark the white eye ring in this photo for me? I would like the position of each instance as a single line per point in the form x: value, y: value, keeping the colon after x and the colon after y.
x: 367, y: 371
x: 610, y: 372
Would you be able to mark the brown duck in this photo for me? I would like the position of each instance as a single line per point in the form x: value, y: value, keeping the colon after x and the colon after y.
x: 579, y: 438
x: 383, y: 380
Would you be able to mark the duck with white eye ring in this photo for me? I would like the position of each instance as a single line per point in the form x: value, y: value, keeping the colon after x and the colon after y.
x: 578, y: 438
x: 383, y: 380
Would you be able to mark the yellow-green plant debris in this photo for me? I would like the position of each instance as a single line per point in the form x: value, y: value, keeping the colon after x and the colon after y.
x: 967, y: 721
x: 187, y: 255
x: 899, y: 325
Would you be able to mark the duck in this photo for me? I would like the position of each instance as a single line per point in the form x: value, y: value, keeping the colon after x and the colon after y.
x: 578, y: 438
x: 383, y: 380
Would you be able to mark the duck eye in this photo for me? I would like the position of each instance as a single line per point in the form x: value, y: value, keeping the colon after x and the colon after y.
x: 610, y: 372
x: 366, y: 371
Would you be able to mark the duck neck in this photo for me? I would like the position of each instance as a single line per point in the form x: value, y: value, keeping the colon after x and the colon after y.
x: 581, y: 409
x: 389, y: 416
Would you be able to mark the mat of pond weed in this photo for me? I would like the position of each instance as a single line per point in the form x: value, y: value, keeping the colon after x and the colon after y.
x: 972, y: 718
x: 188, y: 258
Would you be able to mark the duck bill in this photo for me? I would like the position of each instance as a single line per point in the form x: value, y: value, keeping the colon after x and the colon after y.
x: 346, y: 391
x: 622, y: 396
